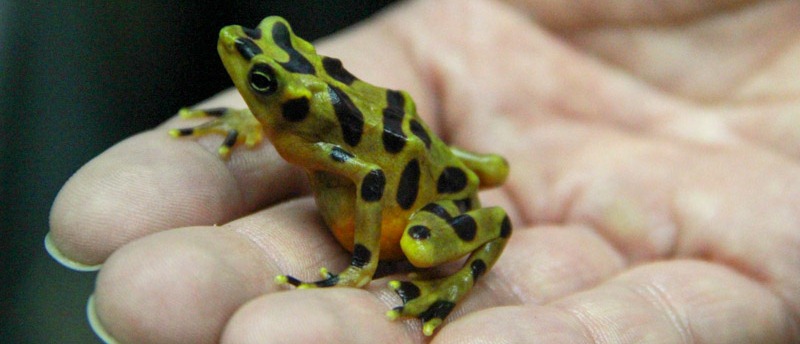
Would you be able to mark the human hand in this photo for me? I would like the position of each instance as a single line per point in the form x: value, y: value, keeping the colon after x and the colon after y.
x: 654, y: 186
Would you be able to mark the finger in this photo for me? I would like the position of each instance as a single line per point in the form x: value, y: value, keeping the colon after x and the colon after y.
x: 539, y: 265
x: 681, y: 301
x: 340, y: 315
x: 152, y: 182
x: 176, y: 286
x: 182, y: 285
x: 549, y: 262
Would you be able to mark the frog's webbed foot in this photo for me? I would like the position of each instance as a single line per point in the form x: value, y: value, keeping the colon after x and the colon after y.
x: 238, y: 126
x: 350, y: 277
x: 430, y: 301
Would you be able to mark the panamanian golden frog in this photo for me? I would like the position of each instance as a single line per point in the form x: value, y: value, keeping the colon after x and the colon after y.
x: 386, y: 186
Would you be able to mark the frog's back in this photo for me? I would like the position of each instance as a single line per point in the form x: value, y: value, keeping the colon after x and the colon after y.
x: 412, y: 158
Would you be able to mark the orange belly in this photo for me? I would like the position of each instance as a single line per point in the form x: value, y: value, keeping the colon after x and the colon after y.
x: 391, y: 230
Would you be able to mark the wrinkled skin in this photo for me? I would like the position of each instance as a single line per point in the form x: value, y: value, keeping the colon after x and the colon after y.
x: 655, y: 185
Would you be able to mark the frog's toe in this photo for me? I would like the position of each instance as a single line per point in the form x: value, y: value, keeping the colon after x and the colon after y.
x: 286, y: 279
x: 328, y: 280
x: 421, y: 300
x: 201, y: 113
x: 181, y: 132
x: 427, y: 326
x: 238, y: 126
x: 406, y: 290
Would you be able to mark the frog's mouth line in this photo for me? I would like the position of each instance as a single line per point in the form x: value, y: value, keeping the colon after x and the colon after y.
x: 228, y: 51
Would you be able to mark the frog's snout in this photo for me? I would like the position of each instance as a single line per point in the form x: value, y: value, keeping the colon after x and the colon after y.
x: 227, y: 39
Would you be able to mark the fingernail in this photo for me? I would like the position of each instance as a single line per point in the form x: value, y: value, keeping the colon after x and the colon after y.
x: 56, y: 254
x: 95, y: 324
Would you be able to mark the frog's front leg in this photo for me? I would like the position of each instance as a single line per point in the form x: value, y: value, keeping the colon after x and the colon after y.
x: 440, y: 233
x: 370, y: 182
x: 238, y: 126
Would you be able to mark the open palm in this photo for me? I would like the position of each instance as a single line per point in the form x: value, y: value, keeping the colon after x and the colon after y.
x: 655, y: 186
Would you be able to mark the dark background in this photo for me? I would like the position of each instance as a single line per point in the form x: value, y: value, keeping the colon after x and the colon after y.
x: 76, y: 77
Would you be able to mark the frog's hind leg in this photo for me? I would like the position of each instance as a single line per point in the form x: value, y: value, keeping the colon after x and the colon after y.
x: 238, y: 126
x: 435, y: 236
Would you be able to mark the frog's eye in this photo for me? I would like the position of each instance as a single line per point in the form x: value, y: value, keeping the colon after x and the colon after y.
x: 262, y: 79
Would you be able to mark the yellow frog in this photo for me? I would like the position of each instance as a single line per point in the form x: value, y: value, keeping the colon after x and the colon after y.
x: 387, y: 186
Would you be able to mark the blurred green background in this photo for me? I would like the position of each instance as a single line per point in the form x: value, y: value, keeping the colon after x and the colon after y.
x: 77, y: 77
